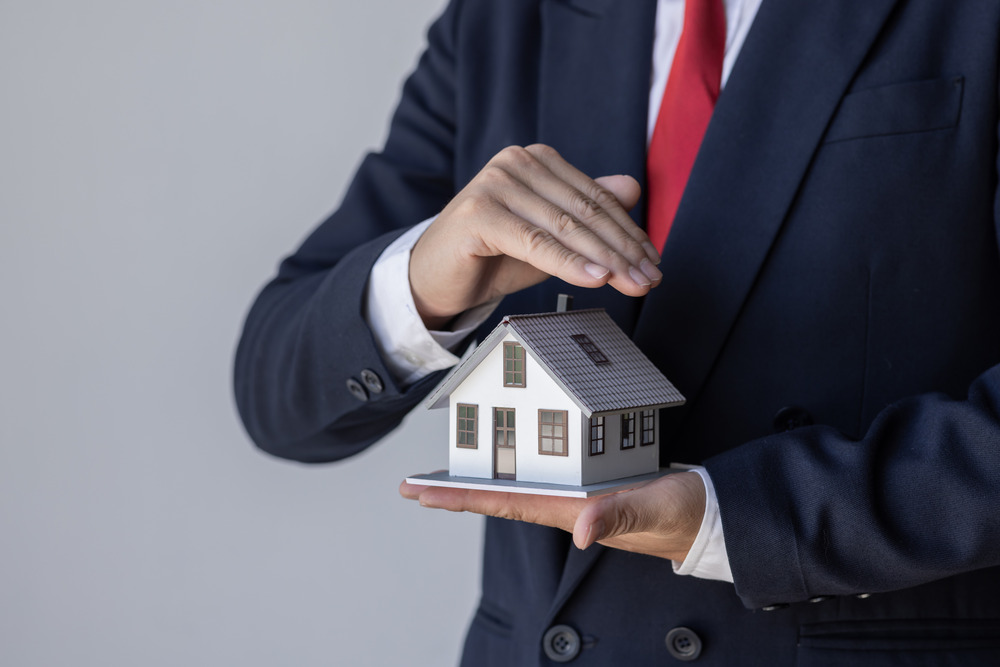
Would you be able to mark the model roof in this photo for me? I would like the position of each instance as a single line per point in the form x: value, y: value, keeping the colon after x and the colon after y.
x: 627, y: 380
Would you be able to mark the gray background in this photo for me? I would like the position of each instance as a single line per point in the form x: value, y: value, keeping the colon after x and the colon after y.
x: 156, y: 159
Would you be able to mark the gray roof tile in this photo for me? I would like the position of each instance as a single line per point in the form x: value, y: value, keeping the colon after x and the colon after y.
x: 628, y: 381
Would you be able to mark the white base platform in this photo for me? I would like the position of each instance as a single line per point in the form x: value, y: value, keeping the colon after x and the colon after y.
x: 539, y: 488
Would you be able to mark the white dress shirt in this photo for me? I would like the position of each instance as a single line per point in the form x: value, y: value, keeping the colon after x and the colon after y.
x: 411, y: 351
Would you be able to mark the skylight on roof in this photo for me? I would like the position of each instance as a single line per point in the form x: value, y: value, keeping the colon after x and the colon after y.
x: 592, y: 350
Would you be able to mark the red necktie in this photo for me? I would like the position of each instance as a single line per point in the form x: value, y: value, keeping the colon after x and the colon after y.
x: 688, y: 100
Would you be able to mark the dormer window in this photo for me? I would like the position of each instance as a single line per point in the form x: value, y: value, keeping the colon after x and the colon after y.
x: 513, y: 365
x: 592, y: 351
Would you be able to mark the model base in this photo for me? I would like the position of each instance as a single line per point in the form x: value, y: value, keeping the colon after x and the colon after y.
x: 539, y: 488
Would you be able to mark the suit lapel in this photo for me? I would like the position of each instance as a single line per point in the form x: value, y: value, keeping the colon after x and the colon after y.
x: 796, y: 64
x: 593, y: 103
x: 594, y: 82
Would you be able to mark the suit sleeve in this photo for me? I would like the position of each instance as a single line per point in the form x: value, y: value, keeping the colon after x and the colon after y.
x: 305, y: 335
x: 811, y: 512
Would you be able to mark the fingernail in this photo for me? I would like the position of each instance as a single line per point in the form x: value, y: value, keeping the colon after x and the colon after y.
x: 651, y: 271
x: 654, y: 255
x: 638, y: 277
x: 595, y: 270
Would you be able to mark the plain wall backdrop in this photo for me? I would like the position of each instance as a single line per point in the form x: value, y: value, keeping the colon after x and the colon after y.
x: 157, y: 158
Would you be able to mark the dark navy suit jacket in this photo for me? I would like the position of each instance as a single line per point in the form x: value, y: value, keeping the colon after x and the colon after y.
x: 830, y: 307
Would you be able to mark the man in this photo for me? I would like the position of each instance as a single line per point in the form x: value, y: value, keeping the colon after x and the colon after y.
x: 827, y: 300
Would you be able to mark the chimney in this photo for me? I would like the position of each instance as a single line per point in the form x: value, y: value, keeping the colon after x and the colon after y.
x: 564, y: 303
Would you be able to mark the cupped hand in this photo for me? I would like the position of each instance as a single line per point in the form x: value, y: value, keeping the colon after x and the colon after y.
x: 661, y: 518
x: 527, y: 215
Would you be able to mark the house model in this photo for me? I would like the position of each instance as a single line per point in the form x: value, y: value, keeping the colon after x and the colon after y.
x: 557, y: 403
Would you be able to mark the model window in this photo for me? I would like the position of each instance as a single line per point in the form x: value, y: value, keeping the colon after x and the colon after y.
x: 552, y: 435
x: 648, y: 427
x: 467, y: 420
x: 513, y: 365
x: 596, y: 436
x: 628, y: 430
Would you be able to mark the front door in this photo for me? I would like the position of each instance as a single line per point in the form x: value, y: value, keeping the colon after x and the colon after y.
x: 503, y: 443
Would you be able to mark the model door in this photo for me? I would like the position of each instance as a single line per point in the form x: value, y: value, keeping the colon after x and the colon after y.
x: 503, y: 443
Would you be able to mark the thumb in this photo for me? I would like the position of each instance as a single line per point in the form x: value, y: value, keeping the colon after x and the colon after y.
x: 625, y: 189
x: 613, y: 515
x: 671, y: 507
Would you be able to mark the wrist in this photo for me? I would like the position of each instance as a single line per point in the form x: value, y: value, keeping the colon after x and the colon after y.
x: 432, y: 320
x: 691, y: 514
x: 707, y: 557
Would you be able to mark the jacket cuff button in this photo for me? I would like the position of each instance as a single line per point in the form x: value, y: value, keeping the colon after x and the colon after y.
x: 372, y: 381
x: 357, y: 390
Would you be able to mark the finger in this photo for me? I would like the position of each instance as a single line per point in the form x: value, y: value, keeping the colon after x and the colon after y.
x: 625, y: 189
x: 544, y: 235
x: 586, y: 225
x: 550, y: 511
x: 596, y: 191
x: 411, y: 491
x: 577, y: 197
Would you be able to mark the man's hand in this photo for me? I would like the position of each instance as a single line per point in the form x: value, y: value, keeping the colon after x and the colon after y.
x: 527, y: 215
x: 661, y: 518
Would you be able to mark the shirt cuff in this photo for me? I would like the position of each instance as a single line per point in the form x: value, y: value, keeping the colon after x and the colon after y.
x: 707, y: 558
x: 410, y: 351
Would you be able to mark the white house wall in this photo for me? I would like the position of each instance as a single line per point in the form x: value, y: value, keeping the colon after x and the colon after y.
x: 484, y: 388
x: 616, y: 462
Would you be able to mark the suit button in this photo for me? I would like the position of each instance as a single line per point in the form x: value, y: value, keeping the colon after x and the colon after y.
x: 820, y: 598
x: 684, y: 644
x: 775, y: 607
x: 355, y: 388
x: 372, y: 381
x: 561, y: 643
x: 791, y: 418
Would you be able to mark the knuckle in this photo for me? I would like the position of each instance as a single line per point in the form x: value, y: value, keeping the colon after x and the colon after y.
x: 468, y: 211
x: 472, y: 207
x: 493, y: 175
x: 542, y: 151
x: 535, y: 238
x: 607, y: 256
x: 562, y: 222
x: 513, y: 155
x: 634, y: 250
x: 508, y: 511
x: 585, y: 208
x: 604, y: 198
x: 514, y: 514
